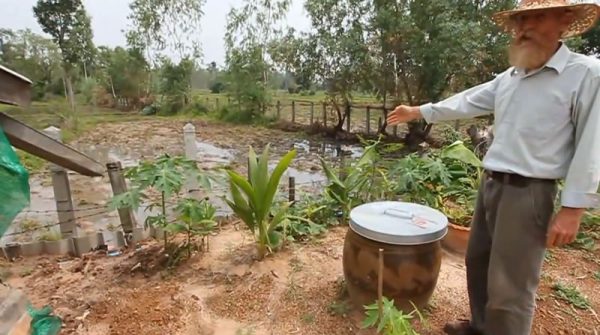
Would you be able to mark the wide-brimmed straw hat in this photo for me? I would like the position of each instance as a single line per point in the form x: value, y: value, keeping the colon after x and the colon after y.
x: 586, y: 14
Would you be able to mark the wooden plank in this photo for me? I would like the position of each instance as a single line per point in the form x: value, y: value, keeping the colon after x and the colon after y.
x: 38, y: 144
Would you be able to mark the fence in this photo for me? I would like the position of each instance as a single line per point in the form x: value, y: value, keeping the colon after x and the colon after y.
x: 69, y: 238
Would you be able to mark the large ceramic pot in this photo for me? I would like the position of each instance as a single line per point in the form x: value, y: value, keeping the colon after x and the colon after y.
x: 457, y: 239
x: 409, y: 235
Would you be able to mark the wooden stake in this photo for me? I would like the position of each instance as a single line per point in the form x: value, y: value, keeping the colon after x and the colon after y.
x: 380, y: 284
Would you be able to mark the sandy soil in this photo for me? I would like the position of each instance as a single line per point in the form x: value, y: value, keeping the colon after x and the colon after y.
x: 225, y: 291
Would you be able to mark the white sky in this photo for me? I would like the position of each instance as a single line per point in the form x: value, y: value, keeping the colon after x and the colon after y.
x: 109, y: 18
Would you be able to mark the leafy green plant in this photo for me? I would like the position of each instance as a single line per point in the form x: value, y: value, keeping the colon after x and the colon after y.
x: 253, y: 199
x: 447, y: 180
x: 597, y: 275
x: 166, y: 176
x: 390, y: 321
x: 355, y: 184
x: 196, y: 218
x: 571, y: 295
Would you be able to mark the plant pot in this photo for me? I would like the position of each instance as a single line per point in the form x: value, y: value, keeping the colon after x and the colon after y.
x: 113, y: 238
x: 85, y: 244
x: 140, y: 234
x: 59, y: 247
x: 12, y: 251
x: 34, y: 248
x: 457, y: 239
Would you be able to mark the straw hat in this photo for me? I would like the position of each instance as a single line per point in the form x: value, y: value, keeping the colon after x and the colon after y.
x: 585, y: 14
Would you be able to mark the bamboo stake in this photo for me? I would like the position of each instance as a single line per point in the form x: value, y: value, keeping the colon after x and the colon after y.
x: 380, y: 284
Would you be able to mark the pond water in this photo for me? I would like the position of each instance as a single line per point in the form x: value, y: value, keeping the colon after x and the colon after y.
x: 91, y: 195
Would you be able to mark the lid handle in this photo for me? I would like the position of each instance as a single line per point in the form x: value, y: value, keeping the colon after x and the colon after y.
x: 404, y: 215
x: 399, y: 213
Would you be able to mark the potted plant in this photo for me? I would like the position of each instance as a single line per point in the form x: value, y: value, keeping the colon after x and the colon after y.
x: 459, y: 207
x: 459, y: 221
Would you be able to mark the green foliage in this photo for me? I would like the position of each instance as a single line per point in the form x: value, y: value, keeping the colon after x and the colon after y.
x: 597, y: 275
x: 35, y: 57
x: 391, y: 321
x: 356, y: 185
x: 197, y: 219
x: 166, y: 176
x: 123, y: 72
x: 166, y: 26
x: 446, y: 180
x: 249, y: 32
x: 253, y: 199
x: 308, y: 217
x: 175, y: 84
x: 571, y: 295
x: 68, y: 24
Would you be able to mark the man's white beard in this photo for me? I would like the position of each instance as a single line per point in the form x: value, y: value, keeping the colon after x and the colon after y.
x: 529, y: 56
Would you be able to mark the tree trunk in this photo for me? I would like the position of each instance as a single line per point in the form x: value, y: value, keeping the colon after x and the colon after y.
x: 70, y: 92
x: 418, y: 131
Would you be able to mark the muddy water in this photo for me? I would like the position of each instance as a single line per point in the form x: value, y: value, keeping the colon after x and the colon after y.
x: 91, y: 195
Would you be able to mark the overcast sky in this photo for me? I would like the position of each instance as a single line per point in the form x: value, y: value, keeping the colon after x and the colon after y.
x: 109, y: 17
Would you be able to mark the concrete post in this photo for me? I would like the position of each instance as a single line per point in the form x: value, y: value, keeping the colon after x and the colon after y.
x: 191, y: 153
x: 62, y: 191
x: 119, y: 186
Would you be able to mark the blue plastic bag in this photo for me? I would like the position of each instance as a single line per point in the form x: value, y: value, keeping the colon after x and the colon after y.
x: 14, y: 179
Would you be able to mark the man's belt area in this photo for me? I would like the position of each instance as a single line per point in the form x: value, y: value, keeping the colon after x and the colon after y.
x: 515, y: 179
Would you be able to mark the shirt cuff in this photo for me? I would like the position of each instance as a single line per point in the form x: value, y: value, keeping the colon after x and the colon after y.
x: 580, y: 200
x: 427, y: 112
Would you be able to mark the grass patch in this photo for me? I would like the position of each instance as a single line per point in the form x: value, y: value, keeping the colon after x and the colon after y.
x: 571, y: 295
x: 597, y: 275
x: 32, y: 163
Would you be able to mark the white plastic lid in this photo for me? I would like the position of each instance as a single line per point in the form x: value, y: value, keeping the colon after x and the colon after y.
x: 400, y: 223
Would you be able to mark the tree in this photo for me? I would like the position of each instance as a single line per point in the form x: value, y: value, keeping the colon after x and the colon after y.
x: 34, y: 56
x: 171, y: 26
x: 161, y: 27
x: 68, y: 24
x: 335, y: 51
x: 435, y: 48
x: 124, y: 73
x: 249, y: 32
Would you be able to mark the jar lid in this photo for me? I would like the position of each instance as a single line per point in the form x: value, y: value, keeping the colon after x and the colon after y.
x: 400, y: 223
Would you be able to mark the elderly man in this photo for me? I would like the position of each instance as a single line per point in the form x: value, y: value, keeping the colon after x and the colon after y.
x: 547, y: 128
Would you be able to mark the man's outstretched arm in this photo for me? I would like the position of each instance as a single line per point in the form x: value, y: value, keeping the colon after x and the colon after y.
x: 473, y: 102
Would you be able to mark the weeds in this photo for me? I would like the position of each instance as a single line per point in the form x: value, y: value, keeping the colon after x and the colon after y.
x: 597, y: 275
x: 391, y: 321
x: 571, y: 295
x: 339, y: 308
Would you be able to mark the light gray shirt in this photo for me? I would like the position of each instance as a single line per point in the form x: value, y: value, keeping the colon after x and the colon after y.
x: 547, y: 123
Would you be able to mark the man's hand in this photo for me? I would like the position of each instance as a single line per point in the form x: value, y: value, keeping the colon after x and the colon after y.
x: 564, y: 227
x: 403, y: 114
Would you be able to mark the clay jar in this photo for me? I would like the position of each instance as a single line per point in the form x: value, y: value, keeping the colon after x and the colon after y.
x: 409, y: 235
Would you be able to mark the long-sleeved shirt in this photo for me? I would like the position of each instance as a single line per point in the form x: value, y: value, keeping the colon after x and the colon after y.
x: 547, y: 123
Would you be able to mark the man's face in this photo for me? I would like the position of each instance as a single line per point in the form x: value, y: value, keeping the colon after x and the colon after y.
x: 536, y: 36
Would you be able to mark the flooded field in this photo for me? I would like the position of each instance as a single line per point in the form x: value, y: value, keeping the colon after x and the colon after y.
x: 218, y: 146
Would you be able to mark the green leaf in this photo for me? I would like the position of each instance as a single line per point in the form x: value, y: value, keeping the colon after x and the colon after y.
x: 459, y: 151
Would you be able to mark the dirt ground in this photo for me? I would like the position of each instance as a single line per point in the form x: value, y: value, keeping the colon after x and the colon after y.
x: 225, y: 291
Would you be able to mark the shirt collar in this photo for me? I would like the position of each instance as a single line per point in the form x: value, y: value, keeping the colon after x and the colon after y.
x: 558, y: 61
x: 560, y: 58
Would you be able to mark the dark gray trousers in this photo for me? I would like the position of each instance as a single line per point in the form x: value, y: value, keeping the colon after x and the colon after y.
x: 505, y: 253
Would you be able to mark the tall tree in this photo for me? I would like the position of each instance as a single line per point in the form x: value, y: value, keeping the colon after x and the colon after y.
x: 68, y: 24
x: 37, y: 57
x: 249, y: 32
x: 163, y: 28
x: 335, y: 50
x: 435, y: 47
x: 166, y: 26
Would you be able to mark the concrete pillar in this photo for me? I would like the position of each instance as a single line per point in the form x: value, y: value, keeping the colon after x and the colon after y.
x: 62, y: 191
x: 191, y: 153
x: 119, y: 186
